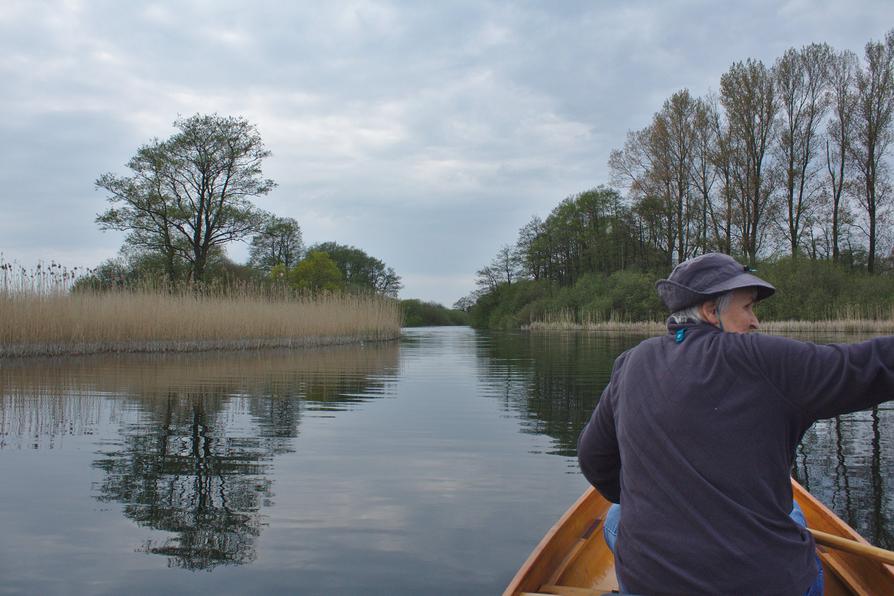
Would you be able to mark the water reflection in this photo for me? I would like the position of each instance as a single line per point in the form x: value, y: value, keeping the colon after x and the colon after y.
x: 551, y: 381
x: 179, y: 469
x: 445, y: 485
x: 848, y: 462
x: 196, y: 434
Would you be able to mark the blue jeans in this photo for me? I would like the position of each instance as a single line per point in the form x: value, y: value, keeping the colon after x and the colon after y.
x: 613, y: 519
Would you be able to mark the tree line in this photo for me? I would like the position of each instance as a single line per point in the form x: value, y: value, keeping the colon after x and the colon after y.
x: 790, y: 159
x: 188, y: 196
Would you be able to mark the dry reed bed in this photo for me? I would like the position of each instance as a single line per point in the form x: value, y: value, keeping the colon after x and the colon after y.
x: 147, y: 321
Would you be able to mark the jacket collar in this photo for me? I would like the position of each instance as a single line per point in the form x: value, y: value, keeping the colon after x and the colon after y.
x: 690, y: 327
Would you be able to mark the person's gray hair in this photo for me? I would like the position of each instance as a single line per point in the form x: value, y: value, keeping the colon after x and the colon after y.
x: 691, y: 314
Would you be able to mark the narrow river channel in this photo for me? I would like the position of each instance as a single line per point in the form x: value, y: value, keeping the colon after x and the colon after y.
x: 429, y: 465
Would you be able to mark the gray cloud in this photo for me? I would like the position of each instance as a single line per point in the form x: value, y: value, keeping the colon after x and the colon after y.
x: 424, y: 134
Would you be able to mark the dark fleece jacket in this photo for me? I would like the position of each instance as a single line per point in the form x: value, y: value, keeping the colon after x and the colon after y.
x: 695, y: 439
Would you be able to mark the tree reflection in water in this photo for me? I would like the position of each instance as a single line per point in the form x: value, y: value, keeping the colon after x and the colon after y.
x: 848, y: 462
x: 198, y: 432
x: 179, y: 472
x: 552, y: 380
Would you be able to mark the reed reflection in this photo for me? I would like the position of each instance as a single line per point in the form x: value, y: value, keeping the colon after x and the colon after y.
x: 196, y: 433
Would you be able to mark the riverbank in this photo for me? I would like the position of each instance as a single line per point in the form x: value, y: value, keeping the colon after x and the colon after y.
x: 806, y: 290
x: 127, y: 321
x: 862, y: 326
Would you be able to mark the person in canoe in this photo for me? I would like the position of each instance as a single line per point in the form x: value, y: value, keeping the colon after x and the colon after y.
x: 694, y: 437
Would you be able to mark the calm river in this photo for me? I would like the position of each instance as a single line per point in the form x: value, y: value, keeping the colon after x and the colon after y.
x: 430, y: 465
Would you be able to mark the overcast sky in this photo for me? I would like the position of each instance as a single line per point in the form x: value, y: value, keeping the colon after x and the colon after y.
x: 425, y: 134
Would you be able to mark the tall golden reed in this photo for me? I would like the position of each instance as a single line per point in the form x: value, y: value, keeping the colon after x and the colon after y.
x: 51, y: 323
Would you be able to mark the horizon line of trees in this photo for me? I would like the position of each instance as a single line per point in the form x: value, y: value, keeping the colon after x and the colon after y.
x: 788, y: 159
x: 793, y: 157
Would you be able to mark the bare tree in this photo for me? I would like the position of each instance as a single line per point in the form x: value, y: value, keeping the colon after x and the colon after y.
x: 656, y: 165
x: 801, y: 77
x: 842, y: 74
x: 872, y: 132
x: 642, y: 166
x: 704, y: 174
x: 508, y: 263
x: 503, y: 269
x: 748, y: 94
x: 488, y: 279
x: 722, y: 158
x: 676, y: 126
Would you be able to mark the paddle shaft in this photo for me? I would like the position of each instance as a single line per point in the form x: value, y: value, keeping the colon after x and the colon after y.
x: 852, y: 546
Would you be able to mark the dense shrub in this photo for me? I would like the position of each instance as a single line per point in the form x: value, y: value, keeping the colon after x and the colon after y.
x: 819, y: 290
x: 509, y: 306
x: 806, y: 290
x: 430, y: 314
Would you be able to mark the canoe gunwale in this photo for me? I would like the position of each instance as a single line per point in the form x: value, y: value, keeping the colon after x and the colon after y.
x: 554, y: 550
x: 846, y: 573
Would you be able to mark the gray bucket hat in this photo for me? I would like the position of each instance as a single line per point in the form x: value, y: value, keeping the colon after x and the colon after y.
x: 699, y: 279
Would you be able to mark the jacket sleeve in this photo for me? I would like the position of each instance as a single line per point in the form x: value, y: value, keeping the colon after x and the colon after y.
x: 830, y: 380
x: 597, y: 448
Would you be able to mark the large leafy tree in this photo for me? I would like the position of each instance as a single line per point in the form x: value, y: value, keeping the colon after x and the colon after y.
x: 190, y: 194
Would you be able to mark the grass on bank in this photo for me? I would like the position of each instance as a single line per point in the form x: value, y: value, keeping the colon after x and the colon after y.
x: 844, y: 323
x: 50, y: 323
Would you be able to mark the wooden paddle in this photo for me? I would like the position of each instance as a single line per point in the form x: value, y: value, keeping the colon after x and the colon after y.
x: 852, y: 546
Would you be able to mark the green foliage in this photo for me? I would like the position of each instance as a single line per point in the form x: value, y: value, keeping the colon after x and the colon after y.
x: 278, y: 274
x: 111, y: 273
x: 589, y: 232
x: 360, y: 271
x: 806, y: 290
x: 816, y: 290
x: 430, y: 314
x: 316, y: 272
x: 147, y: 269
x: 621, y: 295
x: 510, y: 305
